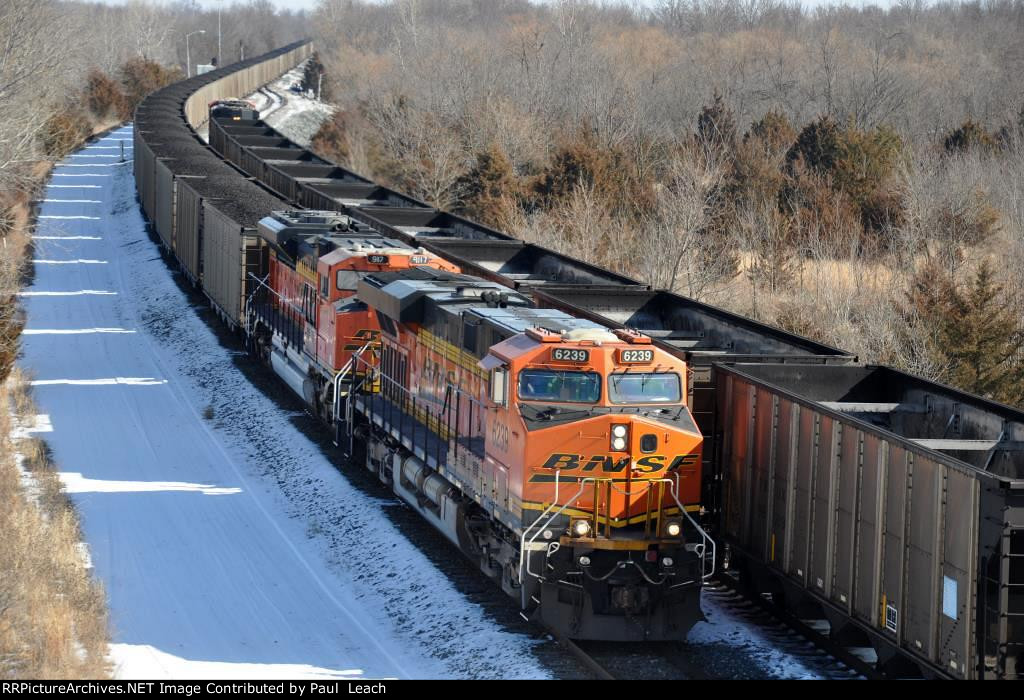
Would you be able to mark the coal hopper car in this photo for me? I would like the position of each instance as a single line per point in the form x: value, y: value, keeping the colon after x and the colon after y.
x: 890, y: 507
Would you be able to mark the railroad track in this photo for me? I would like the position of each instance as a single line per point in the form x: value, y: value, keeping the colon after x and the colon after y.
x: 684, y: 661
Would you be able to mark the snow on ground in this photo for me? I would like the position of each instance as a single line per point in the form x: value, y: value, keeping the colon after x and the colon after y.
x: 299, y: 117
x: 724, y: 629
x: 296, y: 116
x: 228, y: 546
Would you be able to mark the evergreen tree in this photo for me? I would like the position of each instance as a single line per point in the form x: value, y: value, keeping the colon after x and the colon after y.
x: 489, y: 187
x: 817, y: 146
x: 772, y: 133
x: 716, y: 126
x: 977, y: 332
x: 968, y: 136
x: 581, y: 160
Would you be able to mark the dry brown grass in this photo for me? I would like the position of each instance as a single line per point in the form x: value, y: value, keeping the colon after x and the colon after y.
x: 53, y: 618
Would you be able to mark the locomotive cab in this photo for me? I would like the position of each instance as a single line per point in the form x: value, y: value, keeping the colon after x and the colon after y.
x: 303, y: 315
x: 610, y: 457
x: 591, y: 403
x: 345, y: 324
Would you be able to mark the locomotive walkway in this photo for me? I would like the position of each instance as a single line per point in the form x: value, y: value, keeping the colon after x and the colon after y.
x: 202, y: 530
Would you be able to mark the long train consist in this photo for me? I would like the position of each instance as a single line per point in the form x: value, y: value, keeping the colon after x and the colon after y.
x: 483, y: 383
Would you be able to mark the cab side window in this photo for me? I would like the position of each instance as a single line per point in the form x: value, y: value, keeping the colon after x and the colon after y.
x: 499, y: 386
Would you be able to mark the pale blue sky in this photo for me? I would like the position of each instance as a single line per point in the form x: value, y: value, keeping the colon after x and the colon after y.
x: 310, y: 4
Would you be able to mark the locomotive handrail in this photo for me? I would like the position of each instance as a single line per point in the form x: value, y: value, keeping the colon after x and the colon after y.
x: 522, y: 540
x: 260, y: 283
x: 700, y: 549
x: 345, y: 371
x: 673, y: 489
x: 281, y: 319
x: 431, y: 416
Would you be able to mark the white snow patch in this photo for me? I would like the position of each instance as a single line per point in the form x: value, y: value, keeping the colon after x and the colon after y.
x: 72, y: 201
x: 79, y: 293
x: 84, y: 555
x: 26, y: 428
x: 73, y: 331
x: 29, y: 484
x: 108, y: 381
x: 53, y: 216
x: 23, y: 427
x: 74, y: 482
x: 142, y: 661
x: 80, y: 261
x: 296, y: 116
x: 68, y: 238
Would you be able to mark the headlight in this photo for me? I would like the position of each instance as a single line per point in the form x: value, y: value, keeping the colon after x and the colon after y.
x: 667, y: 562
x: 584, y: 561
x: 673, y: 528
x: 581, y: 528
x: 620, y: 437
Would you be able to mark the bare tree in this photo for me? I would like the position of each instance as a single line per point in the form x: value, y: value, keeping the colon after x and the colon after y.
x: 32, y: 46
x: 148, y: 28
x: 679, y: 251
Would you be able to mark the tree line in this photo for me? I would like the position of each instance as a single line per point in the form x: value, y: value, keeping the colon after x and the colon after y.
x: 850, y: 173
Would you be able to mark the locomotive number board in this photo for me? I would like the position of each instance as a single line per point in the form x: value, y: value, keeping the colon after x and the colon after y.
x: 635, y: 357
x: 570, y: 355
x: 377, y: 259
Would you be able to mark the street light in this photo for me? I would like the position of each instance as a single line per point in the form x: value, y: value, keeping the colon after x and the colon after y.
x: 188, y: 57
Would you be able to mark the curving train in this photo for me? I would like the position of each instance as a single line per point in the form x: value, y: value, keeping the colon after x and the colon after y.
x: 583, y: 438
x: 557, y: 454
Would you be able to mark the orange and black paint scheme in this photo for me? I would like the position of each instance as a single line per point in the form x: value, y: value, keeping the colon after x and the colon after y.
x: 304, y: 313
x: 560, y: 455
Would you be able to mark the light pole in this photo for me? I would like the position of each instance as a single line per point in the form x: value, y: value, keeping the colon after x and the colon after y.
x: 218, y: 36
x: 188, y: 56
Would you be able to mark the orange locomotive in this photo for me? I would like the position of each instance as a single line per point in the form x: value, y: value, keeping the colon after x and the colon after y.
x: 558, y: 454
x: 303, y: 318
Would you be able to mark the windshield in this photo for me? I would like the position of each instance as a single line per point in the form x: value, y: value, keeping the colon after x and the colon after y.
x: 644, y: 387
x: 570, y: 387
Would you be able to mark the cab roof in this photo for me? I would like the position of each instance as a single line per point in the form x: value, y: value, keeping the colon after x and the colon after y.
x: 467, y: 311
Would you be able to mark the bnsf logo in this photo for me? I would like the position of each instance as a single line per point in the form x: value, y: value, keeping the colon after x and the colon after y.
x: 606, y: 463
x: 362, y: 337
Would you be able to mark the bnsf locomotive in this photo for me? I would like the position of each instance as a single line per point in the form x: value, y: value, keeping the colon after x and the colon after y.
x: 303, y: 319
x: 558, y: 455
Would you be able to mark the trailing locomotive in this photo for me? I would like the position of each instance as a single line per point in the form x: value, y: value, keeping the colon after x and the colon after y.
x: 302, y: 318
x: 557, y: 454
